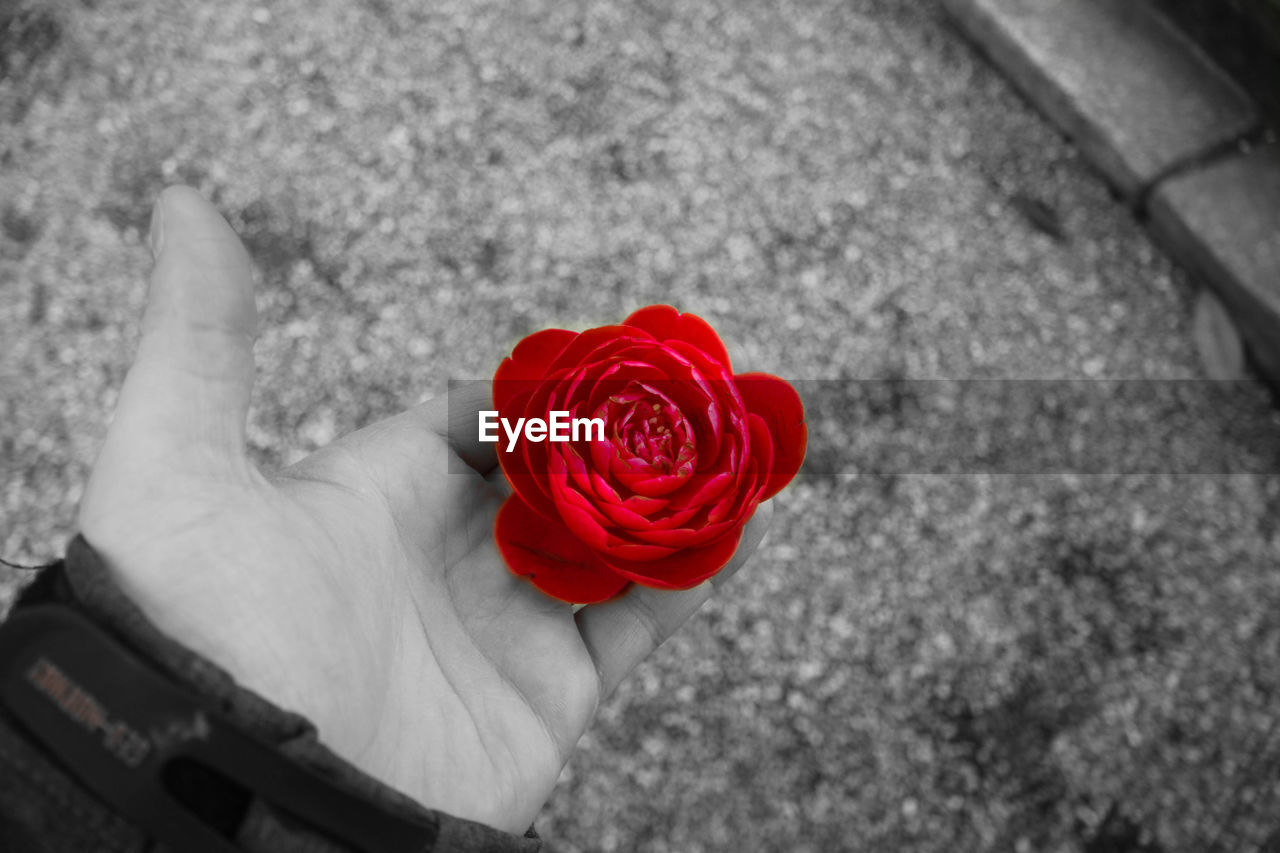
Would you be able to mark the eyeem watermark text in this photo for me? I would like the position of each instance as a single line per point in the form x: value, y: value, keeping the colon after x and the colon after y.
x: 561, y: 427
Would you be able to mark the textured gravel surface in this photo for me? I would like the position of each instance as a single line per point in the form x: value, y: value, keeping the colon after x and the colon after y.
x: 846, y: 191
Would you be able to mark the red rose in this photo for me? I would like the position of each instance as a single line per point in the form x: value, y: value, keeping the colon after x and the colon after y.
x: 689, y: 450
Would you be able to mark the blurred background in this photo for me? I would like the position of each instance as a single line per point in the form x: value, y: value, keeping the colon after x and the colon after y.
x: 846, y: 191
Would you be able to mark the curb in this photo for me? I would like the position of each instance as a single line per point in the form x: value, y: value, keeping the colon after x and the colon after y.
x: 1166, y: 127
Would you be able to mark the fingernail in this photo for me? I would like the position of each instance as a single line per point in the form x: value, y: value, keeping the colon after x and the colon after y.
x: 719, y: 580
x: 157, y: 228
x: 726, y: 575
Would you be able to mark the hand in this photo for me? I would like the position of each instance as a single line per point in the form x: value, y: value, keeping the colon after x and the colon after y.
x: 360, y: 587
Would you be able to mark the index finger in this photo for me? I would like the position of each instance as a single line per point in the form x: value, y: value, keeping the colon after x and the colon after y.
x: 454, y: 417
x: 620, y: 633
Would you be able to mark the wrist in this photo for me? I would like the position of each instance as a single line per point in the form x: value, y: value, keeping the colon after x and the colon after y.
x: 82, y: 585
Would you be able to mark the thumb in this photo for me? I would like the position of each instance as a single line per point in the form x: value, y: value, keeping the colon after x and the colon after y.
x: 183, y: 406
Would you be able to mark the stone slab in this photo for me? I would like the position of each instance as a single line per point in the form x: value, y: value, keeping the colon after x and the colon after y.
x: 1223, y: 221
x: 1133, y: 91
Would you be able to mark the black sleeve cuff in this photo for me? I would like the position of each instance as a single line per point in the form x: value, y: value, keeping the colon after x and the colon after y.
x: 41, y: 808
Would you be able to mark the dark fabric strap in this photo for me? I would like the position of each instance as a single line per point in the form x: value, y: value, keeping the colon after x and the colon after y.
x: 41, y: 808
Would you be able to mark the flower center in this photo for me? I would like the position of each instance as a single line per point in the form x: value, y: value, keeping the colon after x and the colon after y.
x: 645, y: 425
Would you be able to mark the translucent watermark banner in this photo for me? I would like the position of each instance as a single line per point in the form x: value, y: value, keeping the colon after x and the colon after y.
x: 907, y: 426
x: 1087, y: 427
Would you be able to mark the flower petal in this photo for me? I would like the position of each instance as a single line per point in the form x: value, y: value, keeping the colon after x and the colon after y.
x: 524, y: 479
x: 674, y: 518
x: 551, y: 557
x: 622, y: 517
x: 682, y: 569
x: 778, y: 404
x: 666, y: 323
x: 684, y: 537
x: 596, y: 344
x: 704, y: 487
x: 528, y: 363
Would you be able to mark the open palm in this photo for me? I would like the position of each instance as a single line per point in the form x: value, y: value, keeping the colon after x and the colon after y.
x: 360, y: 587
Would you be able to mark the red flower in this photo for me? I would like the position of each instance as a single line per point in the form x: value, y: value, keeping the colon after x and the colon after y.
x: 688, y: 452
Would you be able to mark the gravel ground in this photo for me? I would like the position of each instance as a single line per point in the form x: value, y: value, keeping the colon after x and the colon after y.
x: 917, y: 662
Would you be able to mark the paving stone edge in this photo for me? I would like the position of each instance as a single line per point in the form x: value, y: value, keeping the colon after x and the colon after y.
x: 1246, y: 276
